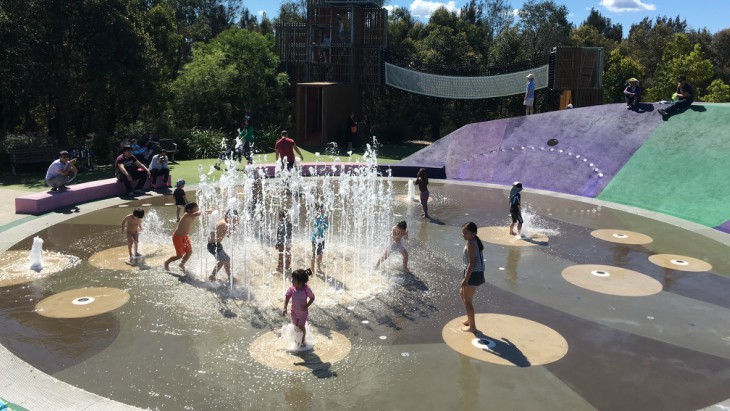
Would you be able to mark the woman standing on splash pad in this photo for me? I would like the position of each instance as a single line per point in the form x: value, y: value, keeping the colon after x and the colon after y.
x: 473, y: 273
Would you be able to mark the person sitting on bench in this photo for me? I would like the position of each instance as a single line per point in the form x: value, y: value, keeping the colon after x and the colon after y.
x: 128, y: 168
x: 61, y: 172
x: 160, y: 167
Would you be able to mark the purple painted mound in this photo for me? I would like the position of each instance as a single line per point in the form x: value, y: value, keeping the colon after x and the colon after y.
x: 515, y: 149
x: 724, y: 227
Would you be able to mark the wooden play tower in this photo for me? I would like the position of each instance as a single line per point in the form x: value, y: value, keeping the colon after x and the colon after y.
x: 331, y: 58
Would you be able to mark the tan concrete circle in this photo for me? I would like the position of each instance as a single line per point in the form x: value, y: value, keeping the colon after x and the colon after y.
x: 117, y: 258
x: 15, y: 266
x: 506, y: 340
x: 328, y: 347
x: 680, y: 262
x: 500, y: 236
x: 621, y: 236
x: 611, y: 280
x: 82, y: 302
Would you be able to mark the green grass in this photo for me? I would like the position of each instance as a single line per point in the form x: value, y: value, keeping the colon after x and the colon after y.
x: 188, y: 169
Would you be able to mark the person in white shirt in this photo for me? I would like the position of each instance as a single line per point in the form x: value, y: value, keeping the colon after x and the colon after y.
x: 160, y: 167
x: 61, y: 172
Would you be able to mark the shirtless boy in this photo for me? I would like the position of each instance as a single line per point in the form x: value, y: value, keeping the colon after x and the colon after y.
x: 181, y: 235
x: 131, y: 226
x: 399, y: 232
x: 215, y: 245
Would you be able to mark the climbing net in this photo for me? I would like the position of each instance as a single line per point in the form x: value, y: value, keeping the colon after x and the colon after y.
x: 459, y: 87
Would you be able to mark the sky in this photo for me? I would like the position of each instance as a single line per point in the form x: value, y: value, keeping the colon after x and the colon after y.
x: 698, y: 13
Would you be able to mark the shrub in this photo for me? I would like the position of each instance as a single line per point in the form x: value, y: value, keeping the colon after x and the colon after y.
x: 205, y: 143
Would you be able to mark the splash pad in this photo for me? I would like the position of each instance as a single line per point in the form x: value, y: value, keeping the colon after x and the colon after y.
x: 183, y: 341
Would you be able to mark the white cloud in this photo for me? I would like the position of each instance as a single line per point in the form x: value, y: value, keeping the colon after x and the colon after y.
x: 620, y: 6
x: 516, y: 12
x: 260, y: 13
x: 424, y: 9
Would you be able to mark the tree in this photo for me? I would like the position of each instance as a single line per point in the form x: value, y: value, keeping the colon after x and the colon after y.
x: 232, y: 76
x: 721, y: 50
x: 680, y: 57
x: 718, y: 92
x: 603, y: 25
x: 543, y: 25
x: 621, y: 68
x: 646, y: 41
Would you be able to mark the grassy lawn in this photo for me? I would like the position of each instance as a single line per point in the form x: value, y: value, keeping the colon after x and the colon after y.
x: 188, y: 169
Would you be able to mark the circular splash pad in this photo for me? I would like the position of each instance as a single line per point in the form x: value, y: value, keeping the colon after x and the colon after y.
x: 621, y: 236
x: 506, y: 340
x: 611, y: 280
x: 501, y: 236
x: 15, y: 266
x: 328, y: 347
x: 117, y: 258
x: 82, y: 302
x: 680, y: 262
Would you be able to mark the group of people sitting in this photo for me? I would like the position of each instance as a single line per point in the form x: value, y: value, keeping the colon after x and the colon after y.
x: 146, y: 147
x: 127, y: 168
x: 682, y: 98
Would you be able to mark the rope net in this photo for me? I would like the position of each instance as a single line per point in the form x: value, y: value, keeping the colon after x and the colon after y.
x: 466, y: 88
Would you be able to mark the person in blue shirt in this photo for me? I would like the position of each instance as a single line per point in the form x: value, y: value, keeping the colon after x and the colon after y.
x: 321, y: 224
x: 632, y: 92
x: 530, y: 95
x: 685, y: 96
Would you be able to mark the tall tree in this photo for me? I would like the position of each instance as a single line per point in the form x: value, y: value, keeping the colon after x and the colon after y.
x: 233, y: 75
x: 543, y: 25
x: 603, y: 25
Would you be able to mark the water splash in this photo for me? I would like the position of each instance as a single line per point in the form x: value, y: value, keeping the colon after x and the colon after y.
x: 36, y: 254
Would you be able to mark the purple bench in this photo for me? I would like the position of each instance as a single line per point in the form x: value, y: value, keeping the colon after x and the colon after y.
x: 39, y: 203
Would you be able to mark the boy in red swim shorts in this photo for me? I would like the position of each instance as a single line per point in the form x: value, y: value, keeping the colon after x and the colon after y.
x: 181, y: 236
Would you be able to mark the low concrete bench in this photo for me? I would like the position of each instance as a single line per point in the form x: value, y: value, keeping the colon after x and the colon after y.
x: 39, y: 203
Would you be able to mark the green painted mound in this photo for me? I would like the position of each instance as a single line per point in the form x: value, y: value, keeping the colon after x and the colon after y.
x: 683, y: 169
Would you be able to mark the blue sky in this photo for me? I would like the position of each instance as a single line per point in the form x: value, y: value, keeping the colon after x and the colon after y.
x: 698, y: 13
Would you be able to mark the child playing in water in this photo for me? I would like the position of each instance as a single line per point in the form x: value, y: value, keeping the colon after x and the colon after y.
x: 321, y: 224
x: 399, y: 232
x: 181, y: 235
x: 473, y: 273
x: 283, y: 241
x: 132, y: 225
x: 422, y: 183
x: 301, y: 298
x: 180, y: 199
x: 515, y: 208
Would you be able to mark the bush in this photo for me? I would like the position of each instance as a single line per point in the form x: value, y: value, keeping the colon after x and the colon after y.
x: 205, y: 143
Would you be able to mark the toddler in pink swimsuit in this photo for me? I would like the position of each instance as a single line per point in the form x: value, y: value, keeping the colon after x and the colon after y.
x: 301, y: 297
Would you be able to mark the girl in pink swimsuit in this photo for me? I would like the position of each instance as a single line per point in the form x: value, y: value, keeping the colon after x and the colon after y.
x: 301, y: 298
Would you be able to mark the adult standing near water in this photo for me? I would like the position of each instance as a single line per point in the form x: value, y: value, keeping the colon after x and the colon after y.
x: 61, y: 172
x: 285, y: 148
x: 530, y: 95
x: 473, y: 273
x: 246, y: 135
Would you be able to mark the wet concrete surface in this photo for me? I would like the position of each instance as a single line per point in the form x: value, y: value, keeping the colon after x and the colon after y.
x: 185, y: 345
